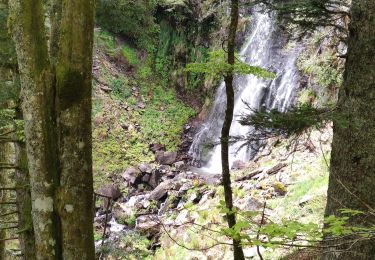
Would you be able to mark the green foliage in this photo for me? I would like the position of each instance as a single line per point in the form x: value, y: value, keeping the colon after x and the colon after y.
x: 217, y: 66
x: 323, y: 67
x: 133, y: 19
x: 130, y: 55
x: 120, y: 88
x: 294, y: 122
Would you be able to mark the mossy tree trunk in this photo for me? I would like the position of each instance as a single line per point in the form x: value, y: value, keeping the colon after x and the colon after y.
x: 3, y: 198
x: 231, y: 218
x: 352, y: 173
x: 73, y: 75
x: 37, y: 92
x: 56, y: 105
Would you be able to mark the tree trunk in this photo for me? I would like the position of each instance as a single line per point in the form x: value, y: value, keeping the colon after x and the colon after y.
x: 73, y: 75
x: 231, y: 218
x: 352, y: 173
x: 37, y: 92
x: 3, y: 198
x: 25, y: 223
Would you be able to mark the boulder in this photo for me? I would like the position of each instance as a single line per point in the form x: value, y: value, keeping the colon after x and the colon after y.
x: 155, y: 178
x: 161, y: 191
x: 166, y: 158
x: 146, y: 178
x: 145, y: 168
x: 110, y: 191
x: 132, y: 175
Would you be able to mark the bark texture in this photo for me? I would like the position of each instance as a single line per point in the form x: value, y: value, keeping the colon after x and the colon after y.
x: 27, y: 20
x: 231, y: 218
x: 73, y: 75
x: 352, y: 173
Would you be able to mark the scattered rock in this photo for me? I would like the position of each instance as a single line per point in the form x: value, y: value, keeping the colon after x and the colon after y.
x: 182, y: 218
x: 250, y: 175
x: 252, y: 252
x: 166, y: 158
x: 132, y: 175
x: 110, y: 191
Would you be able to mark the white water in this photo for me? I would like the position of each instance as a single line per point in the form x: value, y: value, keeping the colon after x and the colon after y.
x: 264, y: 48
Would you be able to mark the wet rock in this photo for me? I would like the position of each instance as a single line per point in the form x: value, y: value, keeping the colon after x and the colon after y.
x: 110, y: 191
x: 238, y: 165
x: 166, y: 158
x: 179, y: 165
x: 145, y: 168
x: 132, y: 175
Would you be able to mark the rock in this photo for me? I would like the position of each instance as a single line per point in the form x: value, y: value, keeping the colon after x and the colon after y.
x: 148, y: 224
x: 110, y: 191
x: 166, y: 158
x: 280, y: 188
x: 145, y: 168
x: 141, y: 105
x: 160, y: 191
x: 252, y: 252
x: 250, y: 176
x: 146, y: 178
x: 157, y: 147
x: 132, y: 175
x: 179, y: 165
x: 238, y: 165
x: 182, y: 218
x: 155, y: 178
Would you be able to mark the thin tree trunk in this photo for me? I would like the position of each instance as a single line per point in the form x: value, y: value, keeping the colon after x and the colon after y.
x: 352, y: 173
x: 3, y: 198
x: 231, y: 218
x: 37, y: 92
x: 73, y: 75
x: 25, y: 222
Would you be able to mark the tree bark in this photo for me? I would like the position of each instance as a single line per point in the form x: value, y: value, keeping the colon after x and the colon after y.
x: 231, y: 218
x: 73, y: 75
x: 352, y: 173
x: 25, y: 223
x: 37, y: 92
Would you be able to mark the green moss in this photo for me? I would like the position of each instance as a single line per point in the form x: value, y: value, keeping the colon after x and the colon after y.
x: 130, y: 55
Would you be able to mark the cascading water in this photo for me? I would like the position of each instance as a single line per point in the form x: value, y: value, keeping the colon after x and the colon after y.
x: 264, y: 48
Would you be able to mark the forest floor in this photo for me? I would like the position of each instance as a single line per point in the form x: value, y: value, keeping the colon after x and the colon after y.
x: 163, y: 209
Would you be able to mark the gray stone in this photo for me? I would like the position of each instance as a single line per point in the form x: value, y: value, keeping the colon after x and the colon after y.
x: 149, y: 224
x: 110, y: 191
x: 146, y: 178
x: 155, y: 178
x: 145, y: 168
x: 160, y: 191
x: 166, y: 158
x: 132, y: 175
x: 179, y: 165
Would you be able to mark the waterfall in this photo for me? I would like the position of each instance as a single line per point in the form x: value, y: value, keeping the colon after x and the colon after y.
x: 264, y: 47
